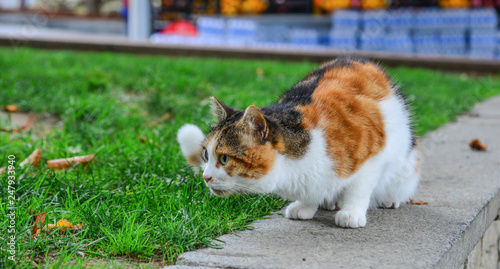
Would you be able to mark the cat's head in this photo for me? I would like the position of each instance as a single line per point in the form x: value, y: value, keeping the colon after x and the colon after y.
x: 236, y: 154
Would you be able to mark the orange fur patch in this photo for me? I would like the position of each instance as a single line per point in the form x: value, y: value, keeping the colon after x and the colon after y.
x: 249, y: 158
x: 254, y: 163
x: 345, y: 106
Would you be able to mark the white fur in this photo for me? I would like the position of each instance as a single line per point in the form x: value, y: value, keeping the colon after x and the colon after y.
x: 387, y: 179
x: 190, y: 138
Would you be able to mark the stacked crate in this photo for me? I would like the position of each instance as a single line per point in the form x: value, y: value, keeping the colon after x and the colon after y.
x: 483, y: 33
x: 398, y: 33
x: 426, y: 31
x: 241, y: 31
x: 454, y: 26
x: 373, y: 24
x: 211, y: 30
x: 344, y: 32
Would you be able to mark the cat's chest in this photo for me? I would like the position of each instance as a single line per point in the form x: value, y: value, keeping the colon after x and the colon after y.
x: 313, y: 172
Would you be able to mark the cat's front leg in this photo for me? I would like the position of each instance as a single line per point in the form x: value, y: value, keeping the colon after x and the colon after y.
x: 356, y: 198
x: 299, y: 210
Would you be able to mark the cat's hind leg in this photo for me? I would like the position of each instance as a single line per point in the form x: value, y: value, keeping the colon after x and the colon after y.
x: 400, y: 185
x: 299, y: 210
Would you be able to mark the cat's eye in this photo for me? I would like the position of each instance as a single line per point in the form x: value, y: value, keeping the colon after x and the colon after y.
x: 205, y: 155
x: 224, y: 159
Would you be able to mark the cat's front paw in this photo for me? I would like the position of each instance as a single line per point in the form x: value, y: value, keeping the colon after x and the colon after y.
x: 350, y: 219
x: 298, y: 210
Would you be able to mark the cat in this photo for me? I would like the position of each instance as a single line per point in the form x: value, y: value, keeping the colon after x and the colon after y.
x: 340, y: 139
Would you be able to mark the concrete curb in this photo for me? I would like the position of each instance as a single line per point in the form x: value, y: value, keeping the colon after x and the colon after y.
x: 51, y: 39
x: 461, y: 186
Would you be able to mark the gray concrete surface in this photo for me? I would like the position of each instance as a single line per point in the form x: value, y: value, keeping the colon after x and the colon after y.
x: 48, y: 21
x: 460, y: 185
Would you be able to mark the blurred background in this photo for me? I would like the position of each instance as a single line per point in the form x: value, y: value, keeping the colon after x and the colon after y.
x: 464, y: 28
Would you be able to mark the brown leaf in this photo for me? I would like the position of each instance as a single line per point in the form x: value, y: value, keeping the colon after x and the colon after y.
x: 166, y: 116
x: 28, y: 123
x: 63, y: 163
x: 49, y: 226
x: 10, y: 108
x: 413, y: 202
x: 477, y: 145
x: 39, y: 222
x: 142, y: 139
x: 64, y: 225
x: 259, y: 72
x: 21, y: 128
x: 33, y: 159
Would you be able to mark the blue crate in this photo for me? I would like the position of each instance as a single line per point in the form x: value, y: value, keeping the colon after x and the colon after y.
x: 372, y: 42
x: 483, y: 39
x: 453, y: 38
x: 346, y: 19
x: 241, y: 31
x: 423, y: 44
x: 400, y: 43
x: 342, y: 40
x: 273, y: 34
x: 498, y: 44
x: 374, y: 22
x: 211, y: 26
x: 400, y: 20
x: 304, y: 36
x: 483, y: 18
x: 428, y: 18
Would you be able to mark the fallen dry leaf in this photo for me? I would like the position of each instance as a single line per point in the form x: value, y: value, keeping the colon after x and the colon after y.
x: 413, y: 202
x: 33, y: 159
x: 259, y: 72
x: 32, y: 214
x: 49, y: 226
x: 21, y: 128
x: 28, y: 123
x: 63, y: 163
x: 39, y: 222
x: 64, y: 225
x: 142, y: 139
x: 10, y: 108
x: 477, y: 145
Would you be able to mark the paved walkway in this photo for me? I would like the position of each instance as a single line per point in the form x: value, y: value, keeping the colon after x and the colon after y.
x: 460, y: 185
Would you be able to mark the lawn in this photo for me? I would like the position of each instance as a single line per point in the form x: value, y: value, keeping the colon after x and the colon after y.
x: 138, y: 201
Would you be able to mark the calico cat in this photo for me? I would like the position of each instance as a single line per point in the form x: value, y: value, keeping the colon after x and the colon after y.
x: 340, y: 139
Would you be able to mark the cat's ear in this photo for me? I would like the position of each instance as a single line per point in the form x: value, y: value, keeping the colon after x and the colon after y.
x: 220, y: 110
x: 256, y: 121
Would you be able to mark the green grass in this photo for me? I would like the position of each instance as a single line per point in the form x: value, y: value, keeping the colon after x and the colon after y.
x: 139, y: 201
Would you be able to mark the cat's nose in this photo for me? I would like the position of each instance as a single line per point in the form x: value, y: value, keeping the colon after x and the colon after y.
x: 207, y: 179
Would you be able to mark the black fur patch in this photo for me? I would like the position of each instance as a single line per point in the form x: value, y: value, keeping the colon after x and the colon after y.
x: 284, y: 118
